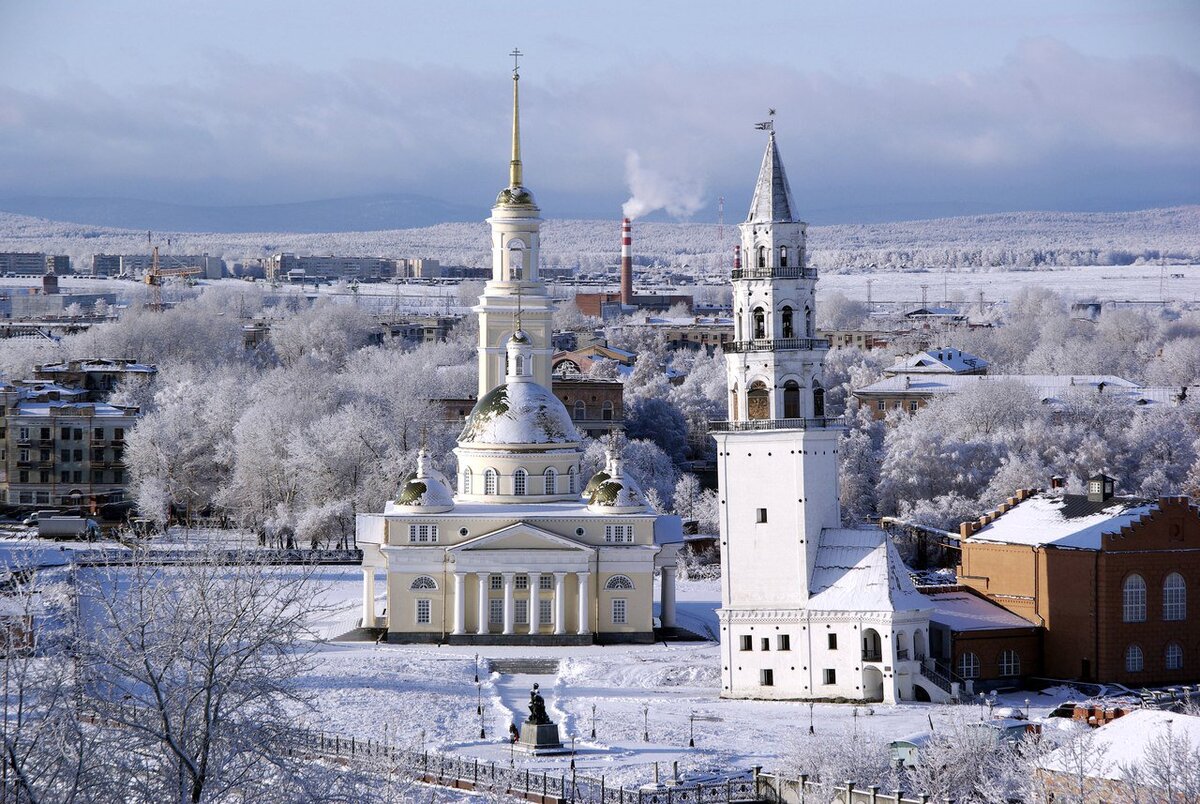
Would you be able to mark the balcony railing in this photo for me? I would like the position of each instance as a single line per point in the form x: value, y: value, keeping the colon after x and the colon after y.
x: 777, y: 424
x: 872, y: 656
x: 795, y: 272
x: 775, y: 345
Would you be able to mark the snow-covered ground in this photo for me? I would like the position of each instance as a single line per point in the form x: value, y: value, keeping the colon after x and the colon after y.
x: 416, y: 695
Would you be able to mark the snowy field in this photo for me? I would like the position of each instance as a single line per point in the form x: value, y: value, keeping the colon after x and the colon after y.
x: 417, y: 695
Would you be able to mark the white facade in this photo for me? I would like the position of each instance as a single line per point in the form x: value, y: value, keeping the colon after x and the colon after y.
x: 519, y: 548
x: 809, y: 609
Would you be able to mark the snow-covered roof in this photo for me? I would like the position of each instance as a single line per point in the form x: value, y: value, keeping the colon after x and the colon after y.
x: 964, y: 611
x: 66, y: 408
x: 559, y: 509
x: 858, y: 569
x: 932, y: 311
x: 772, y: 201
x: 1047, y: 386
x: 1063, y: 520
x: 944, y: 360
x: 1124, y: 742
x: 104, y: 364
x: 519, y: 413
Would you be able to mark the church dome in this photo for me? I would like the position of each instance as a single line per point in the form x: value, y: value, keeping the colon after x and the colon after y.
x: 612, y: 491
x: 519, y: 413
x: 424, y: 491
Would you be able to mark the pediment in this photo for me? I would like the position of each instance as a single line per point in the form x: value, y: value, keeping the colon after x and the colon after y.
x: 521, y: 536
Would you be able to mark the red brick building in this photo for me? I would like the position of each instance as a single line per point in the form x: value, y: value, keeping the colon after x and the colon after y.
x: 1105, y: 579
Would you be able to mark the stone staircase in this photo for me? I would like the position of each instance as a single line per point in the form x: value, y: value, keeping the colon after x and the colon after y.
x: 520, y: 666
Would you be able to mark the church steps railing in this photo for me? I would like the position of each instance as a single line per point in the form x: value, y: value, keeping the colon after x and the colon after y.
x: 790, y: 272
x: 777, y: 424
x: 775, y: 345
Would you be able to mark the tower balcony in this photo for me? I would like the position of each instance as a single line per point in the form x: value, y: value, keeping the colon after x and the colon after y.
x: 795, y: 272
x: 776, y: 345
x: 819, y: 423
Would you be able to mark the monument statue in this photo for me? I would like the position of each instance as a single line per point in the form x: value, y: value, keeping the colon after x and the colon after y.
x: 539, y: 735
x: 537, y: 708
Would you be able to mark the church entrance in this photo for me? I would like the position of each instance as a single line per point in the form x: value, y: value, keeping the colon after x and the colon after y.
x: 872, y: 684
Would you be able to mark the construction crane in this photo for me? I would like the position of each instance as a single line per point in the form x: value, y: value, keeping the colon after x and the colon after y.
x: 155, y: 276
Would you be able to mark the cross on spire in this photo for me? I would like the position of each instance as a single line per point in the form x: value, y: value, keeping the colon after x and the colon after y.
x: 516, y: 54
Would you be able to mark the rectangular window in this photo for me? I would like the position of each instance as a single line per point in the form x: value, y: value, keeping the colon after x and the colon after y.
x: 830, y: 676
x: 23, y: 454
x: 78, y: 434
x: 77, y: 455
x: 97, y: 475
x: 618, y: 612
x: 118, y: 476
x: 496, y: 611
x: 66, y: 456
x: 64, y: 477
x: 118, y: 434
x: 546, y: 582
x: 45, y: 432
x: 912, y: 406
x: 424, y: 612
x: 522, y: 610
x: 766, y: 678
x: 64, y: 434
x: 766, y: 643
x: 761, y: 516
x: 832, y: 641
x: 546, y: 611
x: 44, y: 476
x: 747, y: 642
x: 23, y: 476
x: 785, y: 642
x: 522, y: 582
x: 43, y: 497
x: 882, y: 405
x: 422, y: 534
x: 496, y: 582
x: 77, y: 476
x: 98, y: 434
x: 618, y: 534
x: 23, y: 434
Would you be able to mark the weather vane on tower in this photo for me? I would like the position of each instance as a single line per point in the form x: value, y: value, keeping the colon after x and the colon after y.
x: 516, y: 54
x: 767, y: 125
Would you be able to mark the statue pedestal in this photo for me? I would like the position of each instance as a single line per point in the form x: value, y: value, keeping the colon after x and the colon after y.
x: 540, y: 738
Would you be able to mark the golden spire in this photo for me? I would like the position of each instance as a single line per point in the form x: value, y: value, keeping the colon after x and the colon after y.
x: 514, y: 167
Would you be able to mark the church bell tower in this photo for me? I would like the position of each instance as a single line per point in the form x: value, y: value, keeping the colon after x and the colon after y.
x: 777, y: 454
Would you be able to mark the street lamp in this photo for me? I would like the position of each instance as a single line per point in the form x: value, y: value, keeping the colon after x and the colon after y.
x: 476, y: 668
x: 478, y: 697
x: 572, y: 753
x: 593, y: 721
x: 810, y: 718
x: 1027, y: 709
x: 692, y: 730
x: 645, y: 722
x: 482, y: 733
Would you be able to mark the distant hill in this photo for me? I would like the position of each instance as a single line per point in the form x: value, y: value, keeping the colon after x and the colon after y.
x: 356, y: 214
x: 977, y: 242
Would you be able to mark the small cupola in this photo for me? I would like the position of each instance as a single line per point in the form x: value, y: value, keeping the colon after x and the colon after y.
x: 424, y: 491
x: 1100, y: 487
x: 520, y: 358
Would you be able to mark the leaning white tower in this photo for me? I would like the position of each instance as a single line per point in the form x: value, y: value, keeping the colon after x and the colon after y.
x: 515, y: 285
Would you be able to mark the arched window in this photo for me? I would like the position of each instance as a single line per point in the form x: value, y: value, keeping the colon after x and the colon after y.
x: 423, y: 582
x: 1010, y: 663
x: 808, y: 325
x: 520, y: 366
x: 968, y: 665
x: 466, y: 480
x: 519, y: 484
x: 1174, y: 656
x: 758, y: 401
x: 572, y: 487
x: 760, y: 323
x: 606, y: 410
x: 1133, y: 599
x: 551, y: 476
x: 762, y: 256
x: 1174, y: 597
x: 737, y: 332
x: 579, y: 411
x: 619, y: 582
x: 733, y: 403
x: 786, y: 323
x: 791, y: 400
x: 490, y: 480
x: 818, y: 400
x: 516, y: 259
x: 1134, y: 661
x: 783, y: 256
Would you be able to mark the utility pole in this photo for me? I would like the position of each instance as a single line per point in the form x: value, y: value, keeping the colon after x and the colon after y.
x: 869, y: 283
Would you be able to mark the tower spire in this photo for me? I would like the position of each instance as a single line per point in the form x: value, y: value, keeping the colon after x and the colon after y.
x: 515, y: 179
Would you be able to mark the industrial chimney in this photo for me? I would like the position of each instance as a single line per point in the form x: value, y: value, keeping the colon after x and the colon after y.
x: 626, y: 263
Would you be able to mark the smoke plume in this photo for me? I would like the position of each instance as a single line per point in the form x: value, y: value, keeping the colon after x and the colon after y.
x: 650, y: 191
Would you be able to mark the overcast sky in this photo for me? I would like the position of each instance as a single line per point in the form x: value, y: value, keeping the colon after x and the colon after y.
x: 885, y: 109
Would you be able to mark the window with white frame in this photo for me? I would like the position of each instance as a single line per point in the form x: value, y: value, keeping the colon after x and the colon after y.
x: 619, y: 612
x: 1174, y: 656
x: 1133, y: 599
x: 1010, y: 663
x: 496, y: 582
x: 1134, y: 661
x: 519, y: 481
x: 422, y: 534
x: 546, y: 611
x: 968, y: 665
x: 423, y: 582
x: 522, y: 611
x: 618, y: 534
x: 490, y: 481
x: 466, y: 480
x: 546, y: 581
x: 424, y: 611
x: 496, y: 611
x: 1174, y: 597
x: 619, y: 582
x: 571, y: 487
x: 522, y: 582
x: 551, y: 478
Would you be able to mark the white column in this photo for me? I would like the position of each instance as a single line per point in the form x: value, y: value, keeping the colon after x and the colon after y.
x: 460, y: 603
x: 368, y: 599
x: 560, y: 602
x: 535, y: 609
x: 481, y: 627
x: 585, y: 593
x: 509, y: 608
x: 667, y: 612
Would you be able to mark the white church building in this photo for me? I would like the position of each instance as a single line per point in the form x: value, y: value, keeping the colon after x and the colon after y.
x: 809, y: 609
x: 517, y: 548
